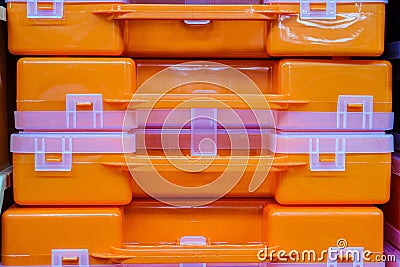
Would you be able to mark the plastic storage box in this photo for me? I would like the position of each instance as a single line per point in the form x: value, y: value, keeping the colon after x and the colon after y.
x: 150, y: 232
x: 298, y: 168
x: 71, y: 169
x: 94, y: 94
x: 218, y: 29
x: 97, y: 35
x: 392, y: 208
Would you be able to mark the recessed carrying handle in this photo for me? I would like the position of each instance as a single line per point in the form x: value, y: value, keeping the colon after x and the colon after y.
x: 194, y: 13
x: 202, y: 22
x: 133, y: 254
x: 275, y: 101
x: 276, y: 166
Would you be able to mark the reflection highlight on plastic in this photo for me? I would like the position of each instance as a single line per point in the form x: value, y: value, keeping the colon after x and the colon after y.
x: 343, y: 21
x: 204, y: 124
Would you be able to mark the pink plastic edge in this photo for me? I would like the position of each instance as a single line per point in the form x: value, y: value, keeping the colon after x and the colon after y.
x: 284, y: 120
x: 92, y: 142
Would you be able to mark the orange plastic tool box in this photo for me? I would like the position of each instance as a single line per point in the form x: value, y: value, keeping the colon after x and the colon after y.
x: 240, y: 231
x: 247, y: 29
x: 58, y: 27
x: 392, y: 208
x: 208, y: 163
x: 71, y: 169
x: 95, y: 93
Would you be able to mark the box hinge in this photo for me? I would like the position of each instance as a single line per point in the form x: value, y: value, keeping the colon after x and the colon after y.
x: 55, y: 12
x: 203, y: 132
x: 41, y: 149
x: 78, y: 257
x: 306, y: 11
x: 365, y: 103
x: 193, y: 241
x: 93, y: 102
x: 319, y: 146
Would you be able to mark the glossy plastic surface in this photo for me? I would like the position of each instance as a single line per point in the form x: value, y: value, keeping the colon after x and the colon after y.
x: 287, y: 37
x: 305, y: 169
x: 347, y: 28
x: 97, y: 36
x: 150, y: 232
x: 69, y: 169
x: 68, y: 93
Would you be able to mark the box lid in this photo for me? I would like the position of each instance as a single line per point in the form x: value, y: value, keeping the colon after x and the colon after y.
x: 306, y: 11
x: 66, y: 144
x: 202, y: 140
x: 200, y: 2
x: 328, y: 13
x: 328, y: 142
x: 28, y: 142
x: 57, y: 10
x: 279, y: 142
x: 208, y: 142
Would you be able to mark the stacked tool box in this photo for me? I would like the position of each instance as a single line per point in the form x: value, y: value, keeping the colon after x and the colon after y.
x: 177, y: 134
x: 6, y: 199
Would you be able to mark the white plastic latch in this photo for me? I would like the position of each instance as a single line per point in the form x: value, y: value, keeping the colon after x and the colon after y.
x: 193, y: 241
x: 41, y: 164
x: 367, y: 104
x: 95, y: 101
x: 204, y: 132
x: 34, y: 12
x: 81, y: 256
x: 325, y: 145
x: 347, y: 253
x: 196, y: 22
x: 307, y: 13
